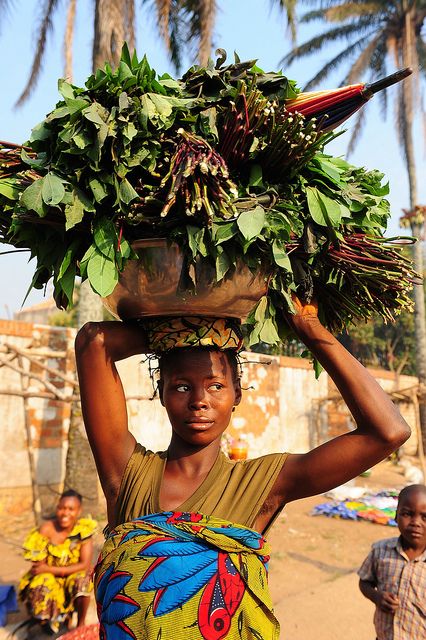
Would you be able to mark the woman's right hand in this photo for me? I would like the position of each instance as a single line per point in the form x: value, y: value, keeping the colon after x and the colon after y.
x: 120, y: 340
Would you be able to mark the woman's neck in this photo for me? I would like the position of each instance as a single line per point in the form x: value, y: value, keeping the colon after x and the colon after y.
x: 192, y: 461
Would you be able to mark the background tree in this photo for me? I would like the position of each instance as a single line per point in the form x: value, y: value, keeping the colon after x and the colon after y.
x: 379, y: 36
x: 383, y: 345
x: 185, y: 26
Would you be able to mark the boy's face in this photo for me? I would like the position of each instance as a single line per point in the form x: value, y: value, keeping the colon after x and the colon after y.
x: 411, y: 518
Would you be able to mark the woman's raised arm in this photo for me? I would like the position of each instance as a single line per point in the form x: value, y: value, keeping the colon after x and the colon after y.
x: 98, y: 346
x: 380, y: 429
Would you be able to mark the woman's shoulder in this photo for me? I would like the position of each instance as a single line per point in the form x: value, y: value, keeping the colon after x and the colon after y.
x: 142, y: 460
x: 84, y: 528
x: 142, y: 452
x: 35, y: 544
x: 47, y: 527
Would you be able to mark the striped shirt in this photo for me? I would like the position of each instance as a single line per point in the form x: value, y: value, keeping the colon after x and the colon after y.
x: 388, y: 567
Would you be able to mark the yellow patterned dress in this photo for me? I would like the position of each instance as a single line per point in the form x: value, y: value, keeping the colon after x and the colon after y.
x: 49, y: 597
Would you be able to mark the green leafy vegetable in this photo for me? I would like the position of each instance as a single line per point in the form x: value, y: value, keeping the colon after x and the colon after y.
x: 216, y: 163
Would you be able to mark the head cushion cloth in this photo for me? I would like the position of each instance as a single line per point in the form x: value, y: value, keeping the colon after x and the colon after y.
x: 171, y: 333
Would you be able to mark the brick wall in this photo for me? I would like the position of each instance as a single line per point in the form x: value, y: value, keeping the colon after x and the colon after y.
x: 283, y: 409
x: 47, y: 418
x: 337, y: 419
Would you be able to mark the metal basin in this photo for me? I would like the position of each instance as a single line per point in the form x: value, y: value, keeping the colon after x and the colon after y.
x: 154, y: 285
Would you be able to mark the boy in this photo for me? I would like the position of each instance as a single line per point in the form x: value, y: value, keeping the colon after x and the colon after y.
x: 393, y: 575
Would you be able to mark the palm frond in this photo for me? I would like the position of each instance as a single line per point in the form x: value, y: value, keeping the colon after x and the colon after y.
x: 362, y: 27
x: 289, y: 8
x: 378, y: 66
x: 312, y: 16
x: 177, y: 33
x: 421, y: 54
x: 163, y: 20
x: 376, y: 4
x: 333, y: 64
x: 351, y: 10
x: 364, y: 59
x: 199, y: 17
x: 393, y: 49
x: 46, y: 25
x: 6, y: 7
x: 330, y: 15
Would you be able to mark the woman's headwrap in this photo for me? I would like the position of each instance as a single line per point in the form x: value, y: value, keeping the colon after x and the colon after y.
x: 171, y: 332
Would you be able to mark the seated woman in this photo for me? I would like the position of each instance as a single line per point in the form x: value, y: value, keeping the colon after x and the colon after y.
x: 59, y: 581
x: 186, y: 556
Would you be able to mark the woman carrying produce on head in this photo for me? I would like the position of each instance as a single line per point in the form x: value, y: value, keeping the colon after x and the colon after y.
x: 185, y: 556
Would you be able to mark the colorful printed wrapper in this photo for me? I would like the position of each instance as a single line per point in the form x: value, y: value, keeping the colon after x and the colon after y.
x: 184, y: 575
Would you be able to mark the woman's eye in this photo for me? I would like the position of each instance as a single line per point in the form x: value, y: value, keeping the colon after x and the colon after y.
x: 217, y: 386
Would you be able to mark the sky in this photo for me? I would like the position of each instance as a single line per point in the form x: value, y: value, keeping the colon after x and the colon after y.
x: 249, y: 27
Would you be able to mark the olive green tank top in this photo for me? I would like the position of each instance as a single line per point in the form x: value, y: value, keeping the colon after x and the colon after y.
x: 232, y: 490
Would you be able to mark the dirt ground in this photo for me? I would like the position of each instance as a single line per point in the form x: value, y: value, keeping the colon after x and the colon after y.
x: 312, y: 571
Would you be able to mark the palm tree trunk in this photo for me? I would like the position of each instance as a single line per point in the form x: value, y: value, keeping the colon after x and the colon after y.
x: 419, y: 328
x: 80, y: 468
x: 80, y: 473
x: 69, y: 39
x: 407, y: 96
x: 110, y: 31
x: 207, y: 11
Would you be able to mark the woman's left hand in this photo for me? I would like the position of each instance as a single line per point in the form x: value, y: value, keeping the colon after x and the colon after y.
x: 380, y: 429
x: 306, y: 313
x: 305, y: 309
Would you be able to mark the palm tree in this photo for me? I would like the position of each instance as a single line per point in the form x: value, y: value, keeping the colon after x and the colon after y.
x: 179, y: 22
x: 378, y: 35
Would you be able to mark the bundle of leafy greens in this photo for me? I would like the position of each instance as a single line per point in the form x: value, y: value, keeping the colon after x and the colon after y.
x: 215, y: 163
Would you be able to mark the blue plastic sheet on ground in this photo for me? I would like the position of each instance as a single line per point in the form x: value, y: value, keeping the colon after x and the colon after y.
x: 8, y: 602
x: 379, y: 508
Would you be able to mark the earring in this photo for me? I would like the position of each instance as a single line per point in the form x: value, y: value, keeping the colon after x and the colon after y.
x: 233, y: 409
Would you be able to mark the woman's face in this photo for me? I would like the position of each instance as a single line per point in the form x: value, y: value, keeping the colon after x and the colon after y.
x: 67, y: 512
x: 199, y: 390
